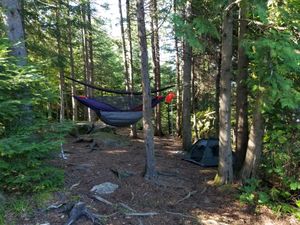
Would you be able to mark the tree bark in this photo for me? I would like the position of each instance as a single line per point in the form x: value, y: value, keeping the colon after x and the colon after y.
x: 126, y: 73
x: 133, y: 132
x: 16, y: 34
x: 241, y: 92
x: 194, y: 99
x: 217, y: 104
x: 150, y: 172
x: 225, y: 171
x: 91, y: 56
x: 72, y: 68
x: 87, y: 57
x: 15, y: 30
x: 254, y: 149
x: 156, y: 64
x: 60, y: 63
x: 186, y: 106
x: 178, y: 84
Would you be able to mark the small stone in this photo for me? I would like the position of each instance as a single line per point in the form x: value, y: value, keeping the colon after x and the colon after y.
x: 104, y: 188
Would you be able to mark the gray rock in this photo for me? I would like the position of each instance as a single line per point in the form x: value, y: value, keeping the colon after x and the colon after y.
x: 105, y: 188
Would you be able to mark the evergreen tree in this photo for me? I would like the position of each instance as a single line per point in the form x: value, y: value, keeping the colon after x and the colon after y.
x: 225, y: 173
x: 150, y: 172
x: 242, y: 91
x: 186, y: 93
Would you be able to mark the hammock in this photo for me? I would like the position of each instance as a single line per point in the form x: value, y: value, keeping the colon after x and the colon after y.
x: 120, y: 111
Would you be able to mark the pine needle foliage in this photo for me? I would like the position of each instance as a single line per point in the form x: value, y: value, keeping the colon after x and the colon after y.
x: 273, y: 50
x: 25, y: 149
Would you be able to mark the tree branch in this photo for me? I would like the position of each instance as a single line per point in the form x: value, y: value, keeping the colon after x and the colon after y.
x: 231, y: 5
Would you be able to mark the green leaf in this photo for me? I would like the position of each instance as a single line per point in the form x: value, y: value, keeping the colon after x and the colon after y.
x: 295, y: 186
x: 282, y: 139
x: 263, y: 198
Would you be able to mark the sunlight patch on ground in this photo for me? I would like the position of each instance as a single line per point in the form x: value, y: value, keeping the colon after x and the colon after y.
x: 139, y: 140
x: 115, y: 151
x: 174, y: 152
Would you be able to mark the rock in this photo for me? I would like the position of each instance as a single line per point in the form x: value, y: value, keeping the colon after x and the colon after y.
x: 81, y: 128
x: 104, y: 188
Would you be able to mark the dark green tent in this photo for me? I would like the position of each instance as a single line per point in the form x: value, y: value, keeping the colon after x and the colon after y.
x: 205, y: 152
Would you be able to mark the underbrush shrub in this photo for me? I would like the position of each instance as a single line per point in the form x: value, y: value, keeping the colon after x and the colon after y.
x: 25, y: 158
x: 28, y: 141
x: 279, y: 184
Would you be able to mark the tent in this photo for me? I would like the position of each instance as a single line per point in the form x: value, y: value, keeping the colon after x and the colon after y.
x: 205, y: 152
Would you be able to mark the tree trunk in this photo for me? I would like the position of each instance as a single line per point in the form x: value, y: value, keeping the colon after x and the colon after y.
x: 254, y: 149
x: 169, y: 119
x: 88, y: 76
x: 194, y: 100
x: 85, y: 56
x: 225, y: 172
x: 127, y: 82
x: 72, y: 68
x: 133, y: 132
x: 178, y: 85
x: 241, y: 93
x: 186, y: 106
x: 217, y: 104
x: 150, y: 172
x: 92, y: 115
x: 15, y: 30
x: 156, y: 64
x: 60, y: 63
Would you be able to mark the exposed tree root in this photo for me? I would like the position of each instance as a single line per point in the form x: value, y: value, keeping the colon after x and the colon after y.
x: 94, y: 146
x: 180, y: 214
x: 121, y: 207
x: 79, y: 210
x: 186, y: 197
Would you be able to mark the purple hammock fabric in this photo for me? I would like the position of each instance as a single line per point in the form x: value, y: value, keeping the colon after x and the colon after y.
x: 114, y: 116
x: 96, y: 105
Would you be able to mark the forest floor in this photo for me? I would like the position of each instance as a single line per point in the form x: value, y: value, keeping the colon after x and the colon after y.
x: 184, y: 193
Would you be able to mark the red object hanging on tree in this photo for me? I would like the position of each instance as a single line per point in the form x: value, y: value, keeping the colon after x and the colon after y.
x: 170, y: 97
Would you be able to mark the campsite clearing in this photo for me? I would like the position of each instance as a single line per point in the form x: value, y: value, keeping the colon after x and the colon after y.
x: 183, y: 194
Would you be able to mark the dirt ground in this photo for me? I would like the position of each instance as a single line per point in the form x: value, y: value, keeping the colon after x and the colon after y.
x: 183, y: 194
